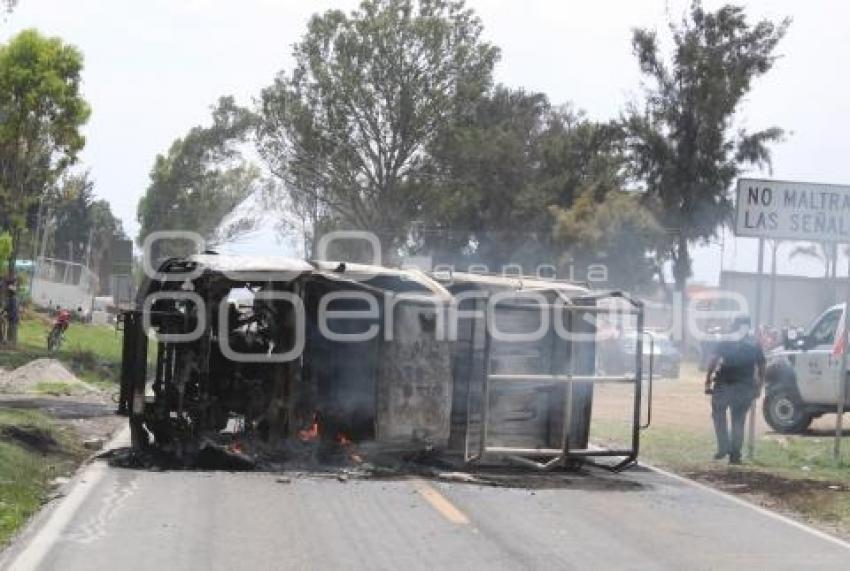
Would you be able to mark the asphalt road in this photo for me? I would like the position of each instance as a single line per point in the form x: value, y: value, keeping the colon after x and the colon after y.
x: 133, y: 519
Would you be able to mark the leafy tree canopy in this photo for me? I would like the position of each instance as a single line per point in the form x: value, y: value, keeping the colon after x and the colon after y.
x: 42, y: 112
x: 201, y: 178
x: 77, y: 224
x: 683, y: 143
x: 499, y: 169
x: 616, y: 230
x: 348, y: 130
x: 5, y: 248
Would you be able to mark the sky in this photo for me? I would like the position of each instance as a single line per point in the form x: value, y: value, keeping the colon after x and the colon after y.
x: 154, y: 68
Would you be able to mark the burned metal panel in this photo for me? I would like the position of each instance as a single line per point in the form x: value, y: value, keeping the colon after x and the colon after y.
x: 414, y: 393
x: 521, y: 415
x: 467, y: 366
x: 524, y: 415
x: 133, y: 375
x: 339, y: 376
x: 584, y: 353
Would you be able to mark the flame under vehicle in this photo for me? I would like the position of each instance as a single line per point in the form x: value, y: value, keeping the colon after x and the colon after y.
x: 279, y: 349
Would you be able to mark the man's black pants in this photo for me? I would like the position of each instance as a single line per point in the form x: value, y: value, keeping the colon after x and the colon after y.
x: 736, y: 397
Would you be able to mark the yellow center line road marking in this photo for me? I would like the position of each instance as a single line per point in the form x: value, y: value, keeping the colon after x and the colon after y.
x: 440, y: 503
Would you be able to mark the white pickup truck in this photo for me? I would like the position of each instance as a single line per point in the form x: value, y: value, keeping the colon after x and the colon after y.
x: 802, y: 375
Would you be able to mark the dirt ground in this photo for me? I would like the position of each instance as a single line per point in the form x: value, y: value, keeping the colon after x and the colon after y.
x: 87, y: 409
x: 681, y: 403
x: 41, y: 376
x: 800, y: 480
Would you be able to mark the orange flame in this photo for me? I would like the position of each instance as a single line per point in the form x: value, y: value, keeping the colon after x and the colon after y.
x: 311, y: 432
x: 346, y: 442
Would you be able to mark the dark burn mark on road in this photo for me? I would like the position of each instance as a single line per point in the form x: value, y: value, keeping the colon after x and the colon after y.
x: 305, y: 462
x: 755, y: 482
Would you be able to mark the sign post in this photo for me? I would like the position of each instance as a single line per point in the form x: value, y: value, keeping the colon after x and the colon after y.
x: 751, y: 432
x: 842, y: 376
x: 801, y: 211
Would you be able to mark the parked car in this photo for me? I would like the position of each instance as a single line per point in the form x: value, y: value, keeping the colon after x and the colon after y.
x: 618, y: 356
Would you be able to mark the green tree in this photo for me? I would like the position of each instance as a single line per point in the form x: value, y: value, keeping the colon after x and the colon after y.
x: 683, y: 143
x: 68, y: 213
x: 482, y: 195
x: 77, y: 226
x: 348, y: 130
x: 503, y: 170
x: 5, y: 249
x: 41, y: 113
x: 200, y: 180
x: 615, y: 230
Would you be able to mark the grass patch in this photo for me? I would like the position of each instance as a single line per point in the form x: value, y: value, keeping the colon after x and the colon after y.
x: 791, y: 472
x: 33, y: 451
x: 682, y: 449
x: 56, y: 388
x: 93, y: 352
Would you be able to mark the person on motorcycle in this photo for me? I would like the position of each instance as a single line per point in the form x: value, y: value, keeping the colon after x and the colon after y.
x: 60, y: 325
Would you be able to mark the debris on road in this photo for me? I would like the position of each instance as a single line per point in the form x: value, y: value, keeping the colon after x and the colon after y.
x: 212, y: 456
x: 458, y: 477
x: 93, y: 443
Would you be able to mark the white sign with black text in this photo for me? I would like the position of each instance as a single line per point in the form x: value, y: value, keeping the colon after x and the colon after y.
x: 793, y: 210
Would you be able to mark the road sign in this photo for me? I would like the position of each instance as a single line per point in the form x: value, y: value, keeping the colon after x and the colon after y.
x: 793, y: 210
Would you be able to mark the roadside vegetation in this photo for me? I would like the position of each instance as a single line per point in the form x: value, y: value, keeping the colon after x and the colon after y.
x: 92, y: 352
x: 34, y: 451
x: 796, y: 474
x: 788, y: 473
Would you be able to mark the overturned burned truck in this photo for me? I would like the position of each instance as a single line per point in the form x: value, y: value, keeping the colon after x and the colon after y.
x: 276, y: 349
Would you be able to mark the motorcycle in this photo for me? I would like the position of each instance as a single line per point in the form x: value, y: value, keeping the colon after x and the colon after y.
x: 57, y: 332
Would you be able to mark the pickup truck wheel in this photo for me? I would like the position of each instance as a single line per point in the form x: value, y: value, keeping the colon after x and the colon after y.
x: 784, y: 411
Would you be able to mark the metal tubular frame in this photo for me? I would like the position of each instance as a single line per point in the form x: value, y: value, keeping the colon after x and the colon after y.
x: 649, y: 389
x: 564, y: 456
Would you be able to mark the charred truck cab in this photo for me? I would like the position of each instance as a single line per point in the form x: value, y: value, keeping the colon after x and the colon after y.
x: 278, y: 349
x: 273, y: 346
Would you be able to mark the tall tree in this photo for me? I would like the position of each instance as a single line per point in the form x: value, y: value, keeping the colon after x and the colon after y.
x: 202, y: 178
x: 77, y: 225
x: 683, y: 142
x: 503, y: 172
x: 615, y: 231
x: 5, y: 249
x: 41, y: 113
x: 483, y: 203
x: 68, y: 214
x: 349, y: 128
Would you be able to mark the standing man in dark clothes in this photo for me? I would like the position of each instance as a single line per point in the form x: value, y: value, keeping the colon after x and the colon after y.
x: 12, y: 315
x: 739, y: 365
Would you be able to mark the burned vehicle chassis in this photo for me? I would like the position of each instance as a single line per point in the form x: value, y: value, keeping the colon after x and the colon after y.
x: 221, y: 366
x: 473, y: 397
